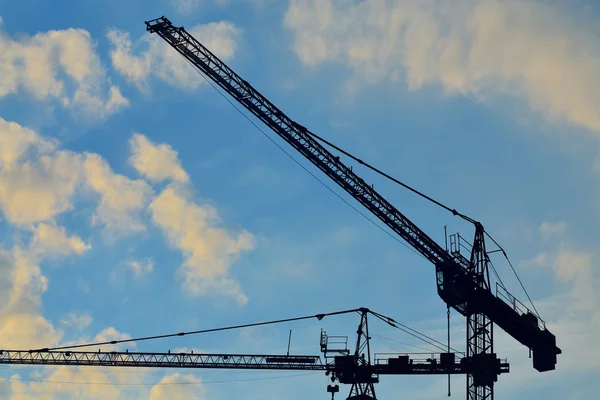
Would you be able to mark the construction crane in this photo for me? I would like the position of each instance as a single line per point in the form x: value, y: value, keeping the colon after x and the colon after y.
x: 462, y: 283
x: 359, y: 369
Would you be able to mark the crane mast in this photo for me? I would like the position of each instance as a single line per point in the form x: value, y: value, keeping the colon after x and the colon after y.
x: 463, y: 283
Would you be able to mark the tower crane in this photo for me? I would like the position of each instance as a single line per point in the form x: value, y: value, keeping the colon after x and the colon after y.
x: 356, y: 369
x: 462, y: 283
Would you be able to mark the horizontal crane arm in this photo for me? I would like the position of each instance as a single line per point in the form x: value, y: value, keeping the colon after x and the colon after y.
x: 342, y: 366
x: 163, y: 360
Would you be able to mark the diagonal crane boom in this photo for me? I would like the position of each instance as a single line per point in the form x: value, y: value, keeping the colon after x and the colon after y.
x: 462, y: 283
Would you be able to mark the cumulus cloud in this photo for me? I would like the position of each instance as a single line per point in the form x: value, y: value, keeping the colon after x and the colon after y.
x: 35, y: 188
x: 190, y: 388
x: 208, y: 249
x: 39, y: 188
x: 121, y: 199
x: 36, y: 181
x: 21, y: 286
x: 94, y: 384
x: 60, y: 65
x: 151, y: 56
x: 157, y: 162
x: 573, y: 312
x: 110, y: 333
x: 574, y: 269
x: 39, y: 181
x: 16, y: 141
x: 50, y: 238
x: 530, y: 50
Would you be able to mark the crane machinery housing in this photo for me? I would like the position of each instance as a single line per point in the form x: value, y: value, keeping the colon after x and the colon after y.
x: 463, y: 282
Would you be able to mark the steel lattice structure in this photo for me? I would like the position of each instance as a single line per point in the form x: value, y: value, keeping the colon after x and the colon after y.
x: 463, y: 283
x: 459, y: 280
x: 163, y: 360
x: 385, y: 364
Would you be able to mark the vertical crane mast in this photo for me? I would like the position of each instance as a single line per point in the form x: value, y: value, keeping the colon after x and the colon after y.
x: 364, y: 388
x: 462, y: 283
x: 480, y: 329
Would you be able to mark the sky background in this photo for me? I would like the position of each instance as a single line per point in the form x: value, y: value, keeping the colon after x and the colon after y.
x: 134, y: 200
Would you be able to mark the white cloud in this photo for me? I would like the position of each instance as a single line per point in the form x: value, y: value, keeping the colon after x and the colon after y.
x: 110, y: 333
x: 61, y: 65
x: 16, y: 141
x: 157, y: 162
x: 121, y: 198
x: 574, y: 269
x: 141, y: 267
x: 21, y: 286
x: 209, y: 250
x: 36, y: 186
x: 573, y: 312
x: 38, y: 189
x: 191, y: 388
x: 531, y: 50
x: 87, y: 382
x: 50, y: 238
x: 549, y: 229
x: 162, y: 61
x: 36, y: 181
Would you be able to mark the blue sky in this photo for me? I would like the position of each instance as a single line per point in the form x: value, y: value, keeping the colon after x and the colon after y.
x: 134, y: 200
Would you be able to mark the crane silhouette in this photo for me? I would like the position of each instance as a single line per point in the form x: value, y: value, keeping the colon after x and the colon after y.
x: 462, y: 281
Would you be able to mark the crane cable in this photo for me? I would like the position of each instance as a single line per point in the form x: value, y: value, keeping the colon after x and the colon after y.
x: 140, y: 339
x: 383, y: 339
x: 388, y: 320
x: 429, y: 340
x: 515, y: 272
x: 380, y: 172
x: 302, y: 166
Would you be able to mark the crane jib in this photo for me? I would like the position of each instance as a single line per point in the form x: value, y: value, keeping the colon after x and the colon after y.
x: 455, y: 286
x: 298, y: 136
